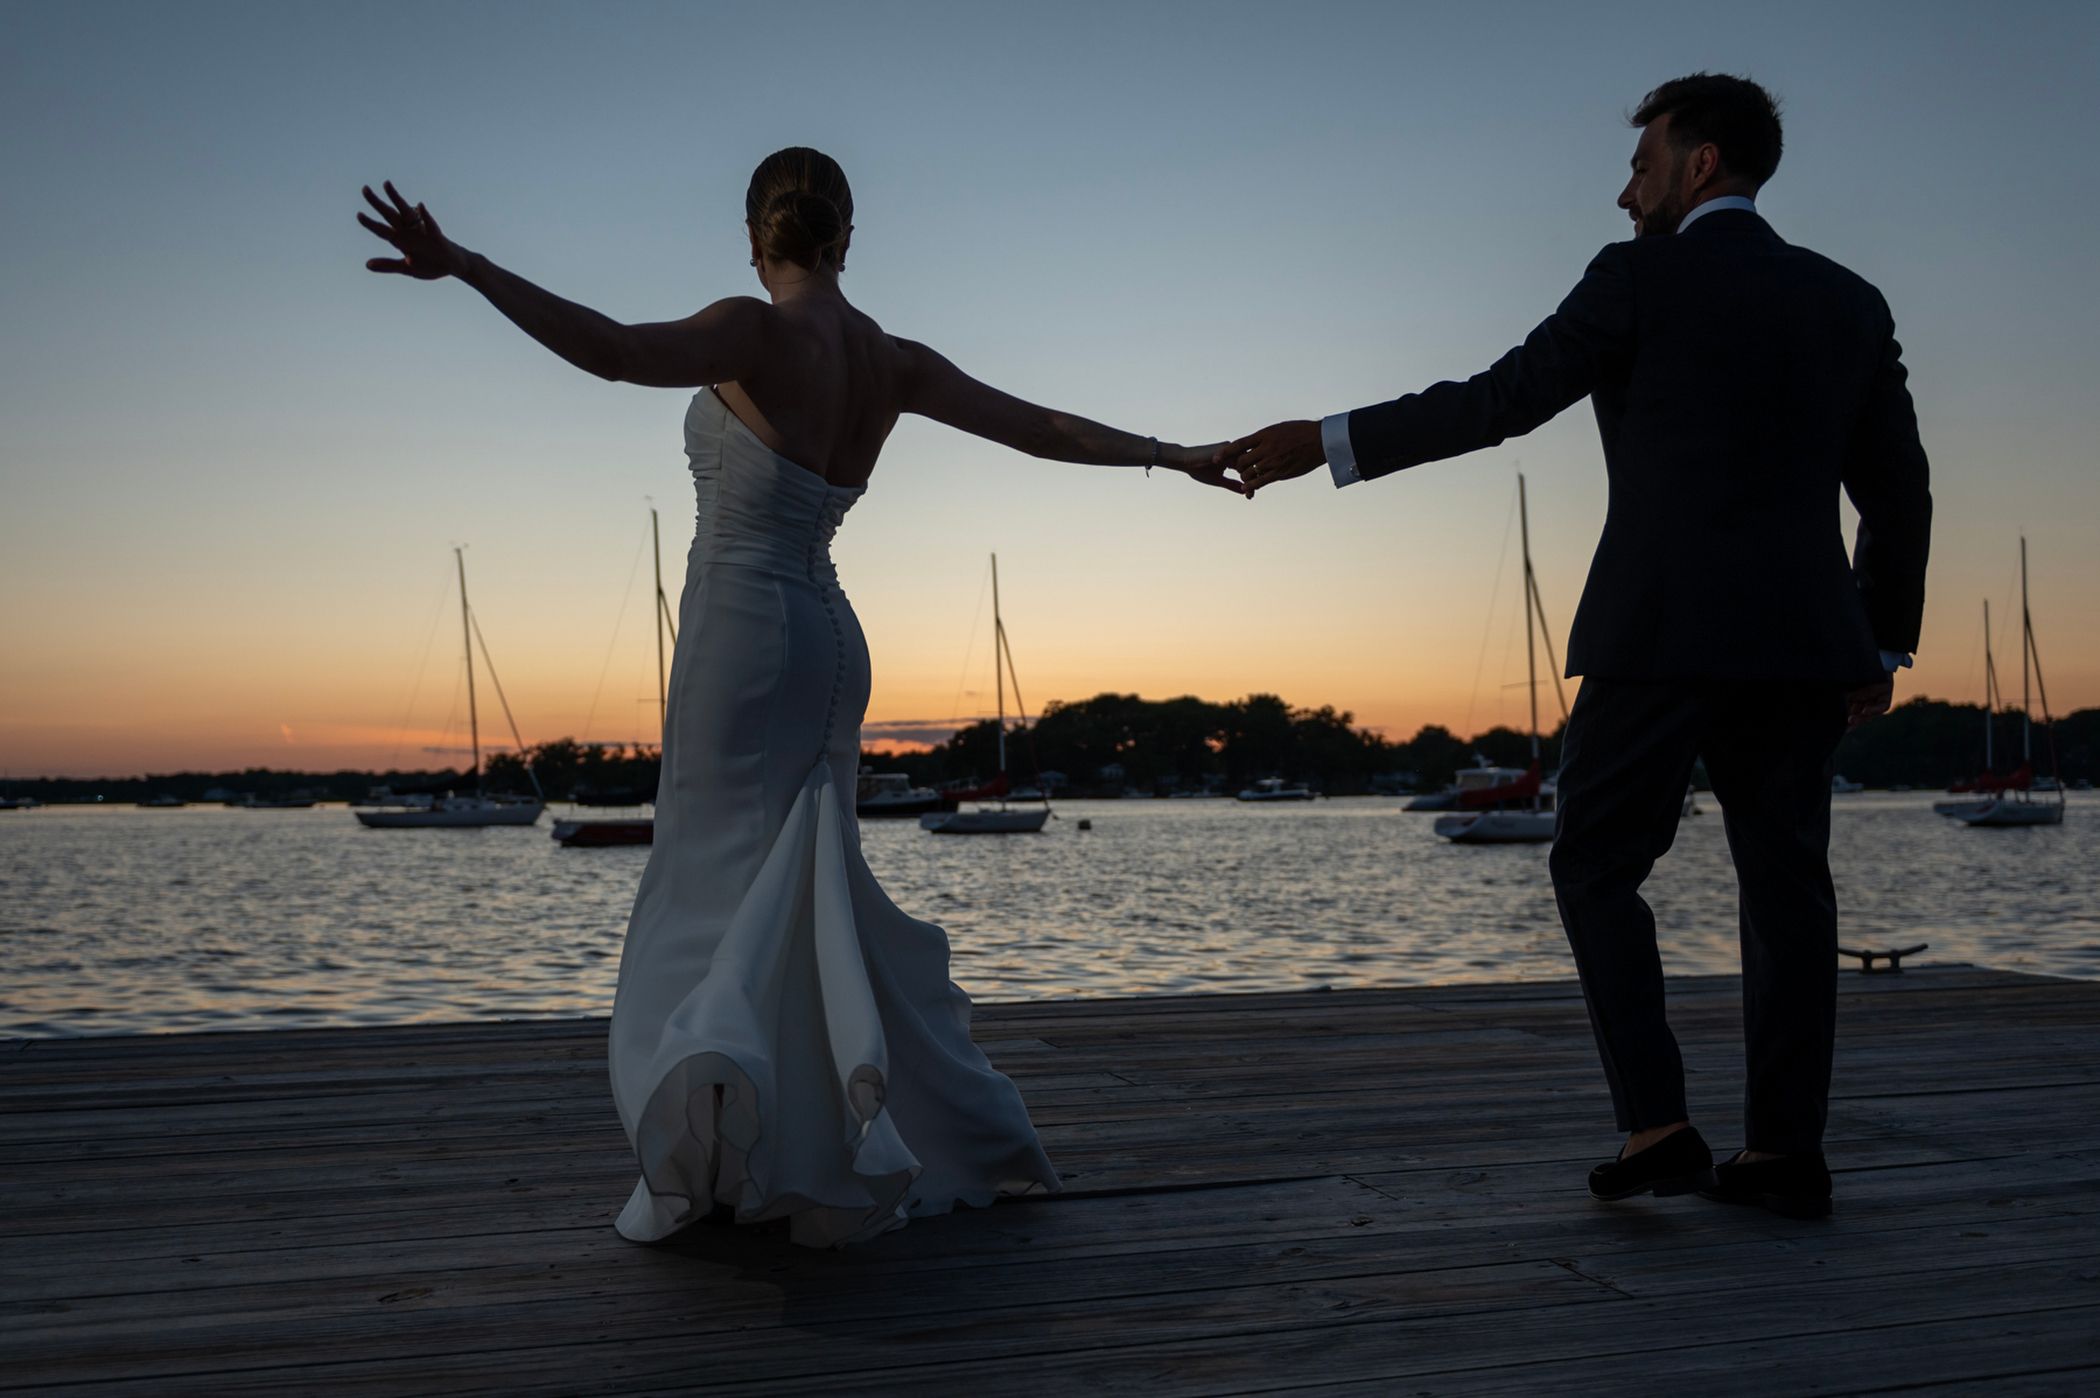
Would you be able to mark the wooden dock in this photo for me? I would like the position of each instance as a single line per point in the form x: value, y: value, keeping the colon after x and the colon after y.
x: 1362, y: 1192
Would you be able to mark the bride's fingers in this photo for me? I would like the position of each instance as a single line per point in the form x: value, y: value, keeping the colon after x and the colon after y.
x: 380, y: 204
x: 386, y: 264
x: 379, y: 228
x: 399, y: 203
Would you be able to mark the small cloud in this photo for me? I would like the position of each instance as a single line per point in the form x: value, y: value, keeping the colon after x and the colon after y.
x: 286, y: 730
x: 907, y: 732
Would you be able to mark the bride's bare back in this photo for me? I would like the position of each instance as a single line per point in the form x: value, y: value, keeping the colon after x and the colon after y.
x: 825, y: 389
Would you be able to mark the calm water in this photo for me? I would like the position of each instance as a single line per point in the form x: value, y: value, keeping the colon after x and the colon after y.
x: 123, y: 920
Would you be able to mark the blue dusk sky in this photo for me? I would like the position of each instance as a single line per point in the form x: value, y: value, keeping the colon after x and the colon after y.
x: 234, y: 462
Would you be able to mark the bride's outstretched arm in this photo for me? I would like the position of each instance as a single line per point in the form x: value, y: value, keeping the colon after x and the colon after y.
x: 712, y: 346
x: 935, y: 388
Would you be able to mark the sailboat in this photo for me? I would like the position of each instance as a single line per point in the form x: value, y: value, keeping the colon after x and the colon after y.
x: 632, y: 830
x: 1478, y: 777
x: 1532, y: 825
x: 480, y: 809
x: 1972, y: 796
x: 2014, y: 802
x: 1005, y: 820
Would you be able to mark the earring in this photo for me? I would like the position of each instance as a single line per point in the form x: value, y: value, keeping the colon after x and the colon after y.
x: 754, y: 262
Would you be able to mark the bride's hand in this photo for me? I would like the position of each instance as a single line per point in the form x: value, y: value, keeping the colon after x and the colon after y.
x: 1199, y: 464
x: 426, y: 253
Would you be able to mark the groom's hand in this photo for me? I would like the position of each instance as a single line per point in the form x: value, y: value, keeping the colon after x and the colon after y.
x: 1868, y: 701
x: 1276, y: 453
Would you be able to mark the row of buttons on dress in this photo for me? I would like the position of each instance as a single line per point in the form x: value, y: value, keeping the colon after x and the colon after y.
x: 838, y: 635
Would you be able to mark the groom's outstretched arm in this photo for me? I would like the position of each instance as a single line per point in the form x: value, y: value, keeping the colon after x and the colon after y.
x: 1556, y: 366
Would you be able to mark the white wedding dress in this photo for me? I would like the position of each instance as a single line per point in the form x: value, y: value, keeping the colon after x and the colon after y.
x: 786, y: 1041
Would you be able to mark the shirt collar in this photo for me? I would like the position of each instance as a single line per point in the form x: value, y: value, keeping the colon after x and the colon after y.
x: 1726, y: 201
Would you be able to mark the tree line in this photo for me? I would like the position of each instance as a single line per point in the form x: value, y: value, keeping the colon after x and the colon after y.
x: 1112, y: 744
x: 1117, y: 742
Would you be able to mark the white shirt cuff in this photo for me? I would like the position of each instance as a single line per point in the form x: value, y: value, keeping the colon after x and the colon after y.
x: 1341, y: 459
x: 1894, y: 660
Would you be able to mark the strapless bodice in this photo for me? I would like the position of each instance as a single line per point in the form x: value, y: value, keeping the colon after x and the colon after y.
x: 754, y: 508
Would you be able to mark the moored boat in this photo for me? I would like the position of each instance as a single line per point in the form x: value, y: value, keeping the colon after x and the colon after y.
x: 1519, y: 811
x: 609, y: 832
x: 1497, y: 828
x: 2015, y: 803
x: 1466, y: 780
x: 480, y: 809
x: 457, y: 812
x: 882, y: 794
x: 2010, y: 810
x: 1276, y: 789
x: 605, y: 833
x: 1004, y: 820
x: 296, y: 801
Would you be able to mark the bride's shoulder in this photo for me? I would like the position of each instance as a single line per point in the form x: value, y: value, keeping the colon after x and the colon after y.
x: 910, y: 356
x: 737, y: 317
x: 746, y: 308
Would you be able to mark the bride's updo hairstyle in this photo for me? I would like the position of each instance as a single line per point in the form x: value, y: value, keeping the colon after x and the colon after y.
x: 801, y: 208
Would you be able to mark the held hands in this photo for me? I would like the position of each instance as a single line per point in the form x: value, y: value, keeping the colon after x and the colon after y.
x: 1276, y: 453
x: 1199, y: 464
x: 426, y: 253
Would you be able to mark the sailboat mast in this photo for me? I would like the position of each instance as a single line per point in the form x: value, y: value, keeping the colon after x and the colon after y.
x: 2026, y: 649
x: 656, y: 545
x: 1531, y: 661
x: 466, y: 631
x: 1990, y: 690
x: 999, y: 665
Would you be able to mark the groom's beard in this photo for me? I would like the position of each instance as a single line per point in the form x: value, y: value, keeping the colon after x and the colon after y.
x: 1661, y: 221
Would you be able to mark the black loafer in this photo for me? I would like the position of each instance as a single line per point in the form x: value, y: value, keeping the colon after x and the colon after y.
x: 1792, y: 1186
x: 1679, y: 1163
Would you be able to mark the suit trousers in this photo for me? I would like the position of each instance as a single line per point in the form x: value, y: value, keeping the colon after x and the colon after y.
x: 1626, y: 764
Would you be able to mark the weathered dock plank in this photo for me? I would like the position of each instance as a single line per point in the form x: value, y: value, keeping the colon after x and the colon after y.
x: 1329, y: 1192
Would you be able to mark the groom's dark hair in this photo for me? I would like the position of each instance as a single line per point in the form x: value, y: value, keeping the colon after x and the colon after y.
x: 1736, y: 115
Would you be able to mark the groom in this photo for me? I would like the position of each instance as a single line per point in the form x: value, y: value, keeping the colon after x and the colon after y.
x: 1738, y: 383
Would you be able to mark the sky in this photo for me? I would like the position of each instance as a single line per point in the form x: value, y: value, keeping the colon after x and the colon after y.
x: 233, y: 464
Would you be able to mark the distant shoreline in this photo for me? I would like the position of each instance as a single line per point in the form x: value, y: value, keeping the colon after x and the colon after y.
x: 1123, y: 744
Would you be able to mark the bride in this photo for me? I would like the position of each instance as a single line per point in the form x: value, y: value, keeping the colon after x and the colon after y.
x: 785, y: 1041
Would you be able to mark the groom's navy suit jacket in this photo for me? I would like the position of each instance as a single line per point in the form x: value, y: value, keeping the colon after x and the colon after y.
x: 1739, y: 383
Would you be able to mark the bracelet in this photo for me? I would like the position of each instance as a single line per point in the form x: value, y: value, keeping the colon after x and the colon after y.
x: 1155, y: 455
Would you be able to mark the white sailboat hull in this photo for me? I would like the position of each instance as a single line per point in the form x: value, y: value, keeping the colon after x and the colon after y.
x: 2003, y: 813
x: 985, y: 822
x: 1497, y: 828
x: 456, y: 816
